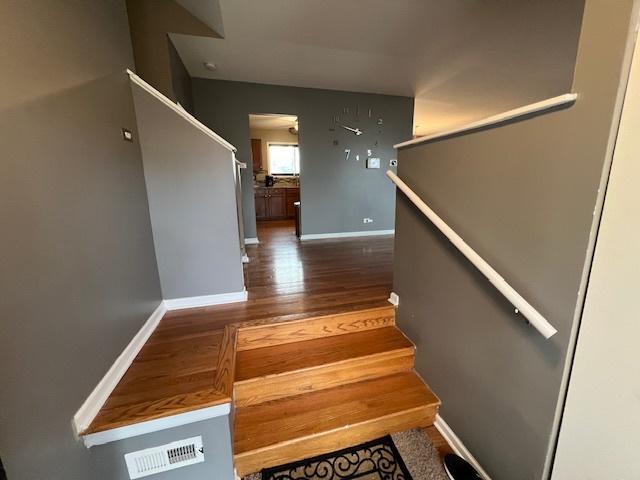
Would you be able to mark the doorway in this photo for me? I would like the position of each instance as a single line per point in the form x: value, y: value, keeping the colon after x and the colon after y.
x: 275, y: 154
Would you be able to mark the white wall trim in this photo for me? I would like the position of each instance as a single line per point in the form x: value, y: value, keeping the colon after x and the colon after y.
x: 501, y: 117
x: 457, y: 445
x: 150, y: 426
x: 180, y: 111
x: 96, y: 399
x: 206, y: 300
x: 251, y: 241
x: 365, y: 233
x: 394, y: 299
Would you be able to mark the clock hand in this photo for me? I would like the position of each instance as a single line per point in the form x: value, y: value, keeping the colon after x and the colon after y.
x: 357, y: 131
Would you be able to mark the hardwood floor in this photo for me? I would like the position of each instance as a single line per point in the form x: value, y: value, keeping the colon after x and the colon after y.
x: 180, y: 367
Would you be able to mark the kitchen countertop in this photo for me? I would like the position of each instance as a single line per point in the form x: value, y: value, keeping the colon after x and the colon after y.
x: 277, y: 186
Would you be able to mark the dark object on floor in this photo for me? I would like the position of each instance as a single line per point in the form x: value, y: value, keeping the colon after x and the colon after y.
x: 3, y: 475
x: 458, y: 469
x: 297, y: 206
x: 375, y: 460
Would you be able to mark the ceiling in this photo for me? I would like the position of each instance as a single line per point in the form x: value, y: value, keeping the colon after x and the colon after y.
x: 461, y: 59
x: 272, y: 122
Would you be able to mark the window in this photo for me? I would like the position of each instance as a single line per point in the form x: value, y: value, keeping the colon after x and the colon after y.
x: 284, y: 159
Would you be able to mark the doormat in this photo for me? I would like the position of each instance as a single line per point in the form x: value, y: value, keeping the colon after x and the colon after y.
x: 375, y: 460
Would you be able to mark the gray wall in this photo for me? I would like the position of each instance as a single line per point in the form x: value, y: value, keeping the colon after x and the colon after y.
x: 150, y: 22
x: 523, y: 196
x: 336, y: 195
x: 191, y: 189
x: 180, y: 79
x: 216, y: 441
x: 78, y: 274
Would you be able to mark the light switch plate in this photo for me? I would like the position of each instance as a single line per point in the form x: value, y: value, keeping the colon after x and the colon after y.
x: 373, y: 162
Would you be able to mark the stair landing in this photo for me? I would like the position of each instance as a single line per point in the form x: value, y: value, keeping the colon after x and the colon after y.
x: 178, y: 369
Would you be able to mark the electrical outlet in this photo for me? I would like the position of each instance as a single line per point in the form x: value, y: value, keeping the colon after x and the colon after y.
x: 367, y: 220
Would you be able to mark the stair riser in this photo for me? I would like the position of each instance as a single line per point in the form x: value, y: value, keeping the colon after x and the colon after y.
x: 280, y: 454
x: 259, y: 336
x: 326, y: 376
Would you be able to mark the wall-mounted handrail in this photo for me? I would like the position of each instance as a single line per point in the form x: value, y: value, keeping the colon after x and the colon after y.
x: 176, y: 107
x: 522, y: 306
x: 500, y: 118
x: 239, y: 163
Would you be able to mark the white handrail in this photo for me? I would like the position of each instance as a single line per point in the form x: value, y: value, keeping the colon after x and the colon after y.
x: 499, y: 118
x: 533, y: 316
x: 176, y: 107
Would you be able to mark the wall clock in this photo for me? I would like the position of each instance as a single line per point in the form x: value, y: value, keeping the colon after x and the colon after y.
x: 358, y: 131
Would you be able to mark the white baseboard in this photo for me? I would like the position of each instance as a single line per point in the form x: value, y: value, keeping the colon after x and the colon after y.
x: 206, y: 300
x: 142, y: 428
x: 251, y: 241
x: 394, y: 299
x: 365, y: 233
x: 96, y: 399
x: 457, y: 445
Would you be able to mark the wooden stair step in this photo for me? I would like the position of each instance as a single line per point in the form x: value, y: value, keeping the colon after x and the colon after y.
x: 265, y: 333
x: 268, y: 373
x: 294, y: 428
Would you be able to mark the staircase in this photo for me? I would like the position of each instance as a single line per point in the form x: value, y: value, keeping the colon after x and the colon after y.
x: 321, y: 384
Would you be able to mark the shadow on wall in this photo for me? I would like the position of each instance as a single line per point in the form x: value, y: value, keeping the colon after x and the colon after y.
x: 53, y: 185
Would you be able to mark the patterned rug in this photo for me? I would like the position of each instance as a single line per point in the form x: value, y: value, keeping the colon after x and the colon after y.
x: 375, y: 460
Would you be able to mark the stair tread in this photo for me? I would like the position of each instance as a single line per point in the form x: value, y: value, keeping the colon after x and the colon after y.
x: 279, y: 359
x: 290, y: 418
x: 263, y: 333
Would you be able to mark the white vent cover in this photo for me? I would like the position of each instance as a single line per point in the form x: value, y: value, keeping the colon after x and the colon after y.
x: 165, y: 457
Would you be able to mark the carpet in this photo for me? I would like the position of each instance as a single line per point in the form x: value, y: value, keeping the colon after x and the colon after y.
x: 404, y: 456
x: 419, y: 455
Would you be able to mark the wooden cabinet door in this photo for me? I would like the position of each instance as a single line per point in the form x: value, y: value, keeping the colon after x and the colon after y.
x: 262, y: 204
x: 277, y: 203
x: 293, y: 195
x: 256, y: 154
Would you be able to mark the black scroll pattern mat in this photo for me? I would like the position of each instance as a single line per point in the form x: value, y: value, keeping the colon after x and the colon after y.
x: 375, y: 460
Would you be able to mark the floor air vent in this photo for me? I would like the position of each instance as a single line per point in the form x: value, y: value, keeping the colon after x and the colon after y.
x: 165, y: 457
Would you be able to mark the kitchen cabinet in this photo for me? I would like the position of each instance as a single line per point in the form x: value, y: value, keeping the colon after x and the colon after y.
x: 273, y: 203
x: 256, y: 154
x: 277, y: 203
x: 262, y: 210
